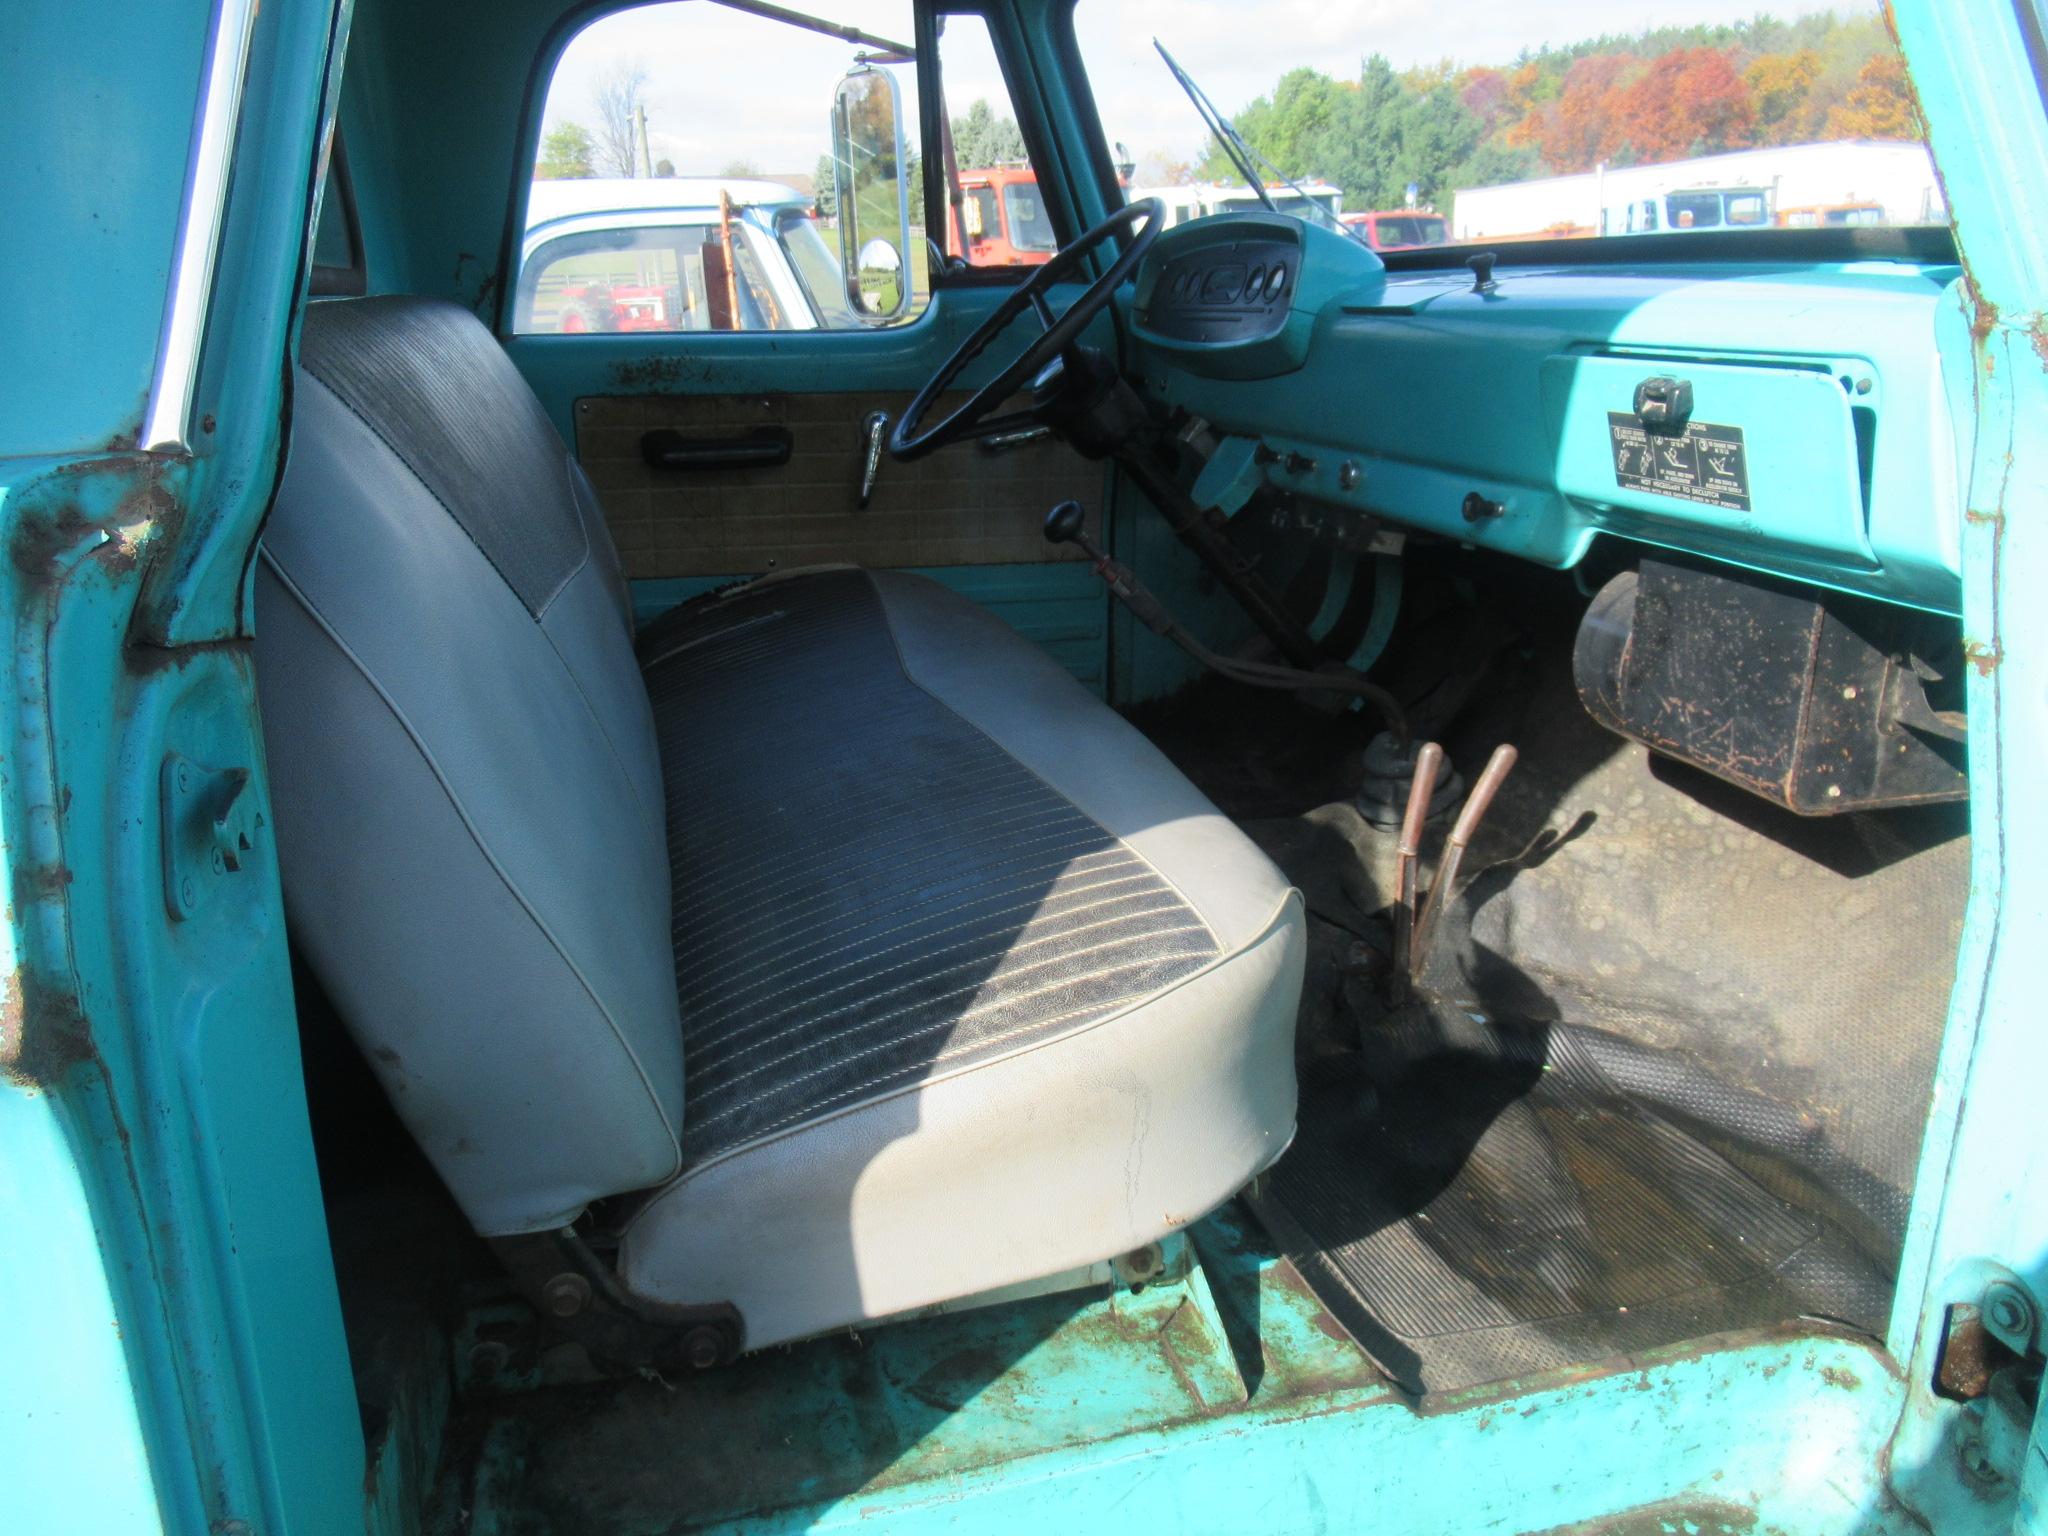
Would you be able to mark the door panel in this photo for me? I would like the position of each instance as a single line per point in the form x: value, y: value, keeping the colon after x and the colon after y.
x: 966, y: 518
x: 961, y: 506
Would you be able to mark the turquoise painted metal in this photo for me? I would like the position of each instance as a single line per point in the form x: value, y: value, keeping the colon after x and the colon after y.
x: 1980, y: 1209
x: 1856, y: 486
x: 174, y: 1358
x: 1224, y: 1404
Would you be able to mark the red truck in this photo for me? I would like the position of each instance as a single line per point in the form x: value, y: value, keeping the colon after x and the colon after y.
x: 1001, y: 219
x: 1400, y: 229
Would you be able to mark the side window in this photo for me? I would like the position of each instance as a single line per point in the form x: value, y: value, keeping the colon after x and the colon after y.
x: 683, y: 179
x: 999, y: 216
x: 337, y: 241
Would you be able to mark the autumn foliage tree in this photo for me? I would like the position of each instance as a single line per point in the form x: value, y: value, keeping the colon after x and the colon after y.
x: 1690, y: 101
x: 1585, y: 124
x: 1664, y: 94
x: 1781, y: 95
x: 1881, y: 106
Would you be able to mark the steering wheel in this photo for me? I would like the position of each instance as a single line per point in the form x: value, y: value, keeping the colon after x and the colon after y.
x: 913, y: 440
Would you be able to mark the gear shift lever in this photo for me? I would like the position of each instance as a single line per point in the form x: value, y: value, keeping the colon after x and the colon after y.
x: 1066, y: 523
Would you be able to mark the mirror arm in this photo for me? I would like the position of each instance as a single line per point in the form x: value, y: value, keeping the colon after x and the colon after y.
x: 901, y: 53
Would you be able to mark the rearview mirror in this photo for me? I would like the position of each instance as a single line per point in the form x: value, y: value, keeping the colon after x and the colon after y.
x: 870, y: 177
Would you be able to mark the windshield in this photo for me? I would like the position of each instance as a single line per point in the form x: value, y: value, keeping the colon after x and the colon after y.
x: 1485, y: 121
x: 1030, y: 229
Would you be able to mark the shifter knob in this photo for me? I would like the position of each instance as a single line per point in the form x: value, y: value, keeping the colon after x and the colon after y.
x: 1064, y: 522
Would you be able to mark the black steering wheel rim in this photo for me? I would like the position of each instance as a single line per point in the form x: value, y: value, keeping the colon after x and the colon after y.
x: 910, y: 440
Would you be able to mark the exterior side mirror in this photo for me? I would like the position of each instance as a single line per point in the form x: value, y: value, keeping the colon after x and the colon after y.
x: 871, y: 173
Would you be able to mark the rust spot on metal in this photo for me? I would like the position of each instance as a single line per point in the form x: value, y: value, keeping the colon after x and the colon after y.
x: 1983, y: 318
x: 43, y: 1032
x: 650, y: 374
x: 1838, y: 1376
x: 40, y: 882
x: 1969, y: 1356
x: 145, y: 660
x: 11, y: 1014
x: 1982, y: 656
x: 42, y: 539
x: 1709, y: 1517
x: 39, y: 541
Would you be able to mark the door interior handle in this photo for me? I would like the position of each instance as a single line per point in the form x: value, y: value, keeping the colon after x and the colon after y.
x: 761, y: 448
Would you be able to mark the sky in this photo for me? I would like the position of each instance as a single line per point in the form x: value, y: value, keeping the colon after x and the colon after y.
x: 723, y: 86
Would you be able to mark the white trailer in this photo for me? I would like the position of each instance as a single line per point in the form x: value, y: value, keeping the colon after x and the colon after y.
x: 1195, y: 200
x: 1848, y: 181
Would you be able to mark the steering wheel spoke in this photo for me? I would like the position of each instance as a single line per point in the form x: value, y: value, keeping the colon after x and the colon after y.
x: 1059, y: 334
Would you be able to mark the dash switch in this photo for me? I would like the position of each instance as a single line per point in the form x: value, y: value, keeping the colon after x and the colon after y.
x: 1664, y: 404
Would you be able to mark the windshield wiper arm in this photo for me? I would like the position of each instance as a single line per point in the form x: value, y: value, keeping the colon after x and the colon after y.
x: 1225, y: 131
x: 1244, y: 157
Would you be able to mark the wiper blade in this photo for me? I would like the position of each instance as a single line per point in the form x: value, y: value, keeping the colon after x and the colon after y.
x: 1248, y: 160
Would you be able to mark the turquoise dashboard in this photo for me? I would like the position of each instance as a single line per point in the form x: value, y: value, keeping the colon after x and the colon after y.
x: 1795, y: 419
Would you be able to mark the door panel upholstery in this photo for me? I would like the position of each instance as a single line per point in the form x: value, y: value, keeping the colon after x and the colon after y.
x: 959, y: 507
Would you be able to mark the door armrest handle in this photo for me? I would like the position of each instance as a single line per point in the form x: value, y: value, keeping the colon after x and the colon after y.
x: 762, y: 448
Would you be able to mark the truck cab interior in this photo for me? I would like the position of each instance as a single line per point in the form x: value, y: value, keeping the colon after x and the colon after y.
x: 1295, y: 884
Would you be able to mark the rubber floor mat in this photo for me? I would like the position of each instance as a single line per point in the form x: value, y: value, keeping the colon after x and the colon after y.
x: 1477, y: 1202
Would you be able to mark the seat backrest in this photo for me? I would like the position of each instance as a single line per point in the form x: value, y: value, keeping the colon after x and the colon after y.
x: 468, y: 798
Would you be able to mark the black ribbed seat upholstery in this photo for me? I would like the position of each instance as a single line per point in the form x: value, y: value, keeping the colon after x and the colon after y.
x: 868, y: 890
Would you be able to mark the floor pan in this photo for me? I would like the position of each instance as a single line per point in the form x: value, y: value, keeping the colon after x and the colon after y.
x: 1511, y: 1200
x: 1227, y: 1402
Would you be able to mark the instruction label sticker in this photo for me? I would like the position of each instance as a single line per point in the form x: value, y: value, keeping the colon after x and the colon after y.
x: 1705, y: 464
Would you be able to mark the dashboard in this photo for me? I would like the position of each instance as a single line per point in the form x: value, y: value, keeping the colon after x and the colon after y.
x: 1792, y: 418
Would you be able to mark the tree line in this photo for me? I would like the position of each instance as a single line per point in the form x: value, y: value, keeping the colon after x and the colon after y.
x: 1664, y: 94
